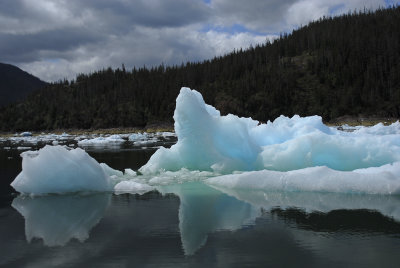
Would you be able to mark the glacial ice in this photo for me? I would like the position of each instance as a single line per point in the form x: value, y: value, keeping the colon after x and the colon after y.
x: 138, y: 136
x: 57, y: 169
x: 382, y: 180
x: 380, y: 129
x: 223, y: 144
x: 101, y: 141
x: 133, y: 187
x: 288, y: 154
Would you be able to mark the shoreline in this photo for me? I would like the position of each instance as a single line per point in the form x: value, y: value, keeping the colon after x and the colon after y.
x: 118, y: 130
x: 360, y: 121
x: 169, y: 127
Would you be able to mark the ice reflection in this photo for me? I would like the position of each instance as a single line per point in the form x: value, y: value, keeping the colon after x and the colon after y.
x: 204, y: 210
x: 388, y: 205
x: 58, y: 219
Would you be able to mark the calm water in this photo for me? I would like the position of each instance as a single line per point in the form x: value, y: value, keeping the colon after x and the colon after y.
x: 193, y: 225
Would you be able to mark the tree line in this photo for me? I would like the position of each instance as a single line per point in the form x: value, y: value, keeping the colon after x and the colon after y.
x: 335, y: 66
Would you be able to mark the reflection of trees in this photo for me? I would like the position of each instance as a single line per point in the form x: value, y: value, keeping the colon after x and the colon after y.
x: 359, y: 220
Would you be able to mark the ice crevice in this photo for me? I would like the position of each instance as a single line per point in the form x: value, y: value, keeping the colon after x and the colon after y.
x: 288, y: 154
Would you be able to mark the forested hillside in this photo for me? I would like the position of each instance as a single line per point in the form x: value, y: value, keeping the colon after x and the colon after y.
x: 347, y: 65
x: 16, y: 84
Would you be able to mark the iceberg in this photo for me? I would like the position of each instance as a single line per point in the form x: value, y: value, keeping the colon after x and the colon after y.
x: 210, y: 142
x: 231, y: 152
x: 58, y: 169
x: 382, y: 180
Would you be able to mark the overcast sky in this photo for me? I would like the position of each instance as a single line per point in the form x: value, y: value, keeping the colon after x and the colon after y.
x: 56, y: 39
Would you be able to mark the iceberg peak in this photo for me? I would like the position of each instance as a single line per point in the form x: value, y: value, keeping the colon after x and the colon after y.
x: 210, y: 142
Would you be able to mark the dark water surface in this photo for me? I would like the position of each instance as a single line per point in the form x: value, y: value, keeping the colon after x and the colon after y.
x: 192, y: 225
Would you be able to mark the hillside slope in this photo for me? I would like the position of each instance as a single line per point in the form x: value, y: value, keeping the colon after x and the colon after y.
x: 347, y: 65
x: 16, y: 84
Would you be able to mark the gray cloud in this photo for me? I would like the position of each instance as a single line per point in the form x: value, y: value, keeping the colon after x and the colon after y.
x: 28, y: 47
x: 259, y: 15
x: 54, y: 39
x: 283, y: 15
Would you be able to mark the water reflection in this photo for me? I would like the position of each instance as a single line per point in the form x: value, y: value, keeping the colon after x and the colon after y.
x: 58, y: 219
x: 207, y: 218
x: 204, y: 210
x: 387, y: 205
x: 340, y: 220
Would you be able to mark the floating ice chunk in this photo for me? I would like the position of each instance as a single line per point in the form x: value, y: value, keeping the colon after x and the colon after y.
x: 168, y: 134
x: 348, y: 128
x: 382, y: 180
x: 380, y: 129
x: 208, y: 141
x: 26, y: 134
x: 143, y: 142
x: 129, y: 172
x: 133, y: 187
x: 138, y: 136
x: 55, y: 169
x: 178, y: 177
x: 23, y: 148
x: 101, y: 141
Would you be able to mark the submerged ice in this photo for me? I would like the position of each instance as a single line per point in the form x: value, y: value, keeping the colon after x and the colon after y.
x: 288, y: 154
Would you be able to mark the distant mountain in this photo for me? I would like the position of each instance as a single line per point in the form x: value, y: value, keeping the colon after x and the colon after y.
x: 15, y: 84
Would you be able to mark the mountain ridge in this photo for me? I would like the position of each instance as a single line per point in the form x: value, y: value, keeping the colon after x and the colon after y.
x: 16, y: 84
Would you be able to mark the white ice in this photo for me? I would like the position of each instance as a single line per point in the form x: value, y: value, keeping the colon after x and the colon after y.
x: 101, y: 141
x: 149, y: 138
x: 380, y: 129
x: 209, y: 141
x: 382, y: 180
x: 288, y: 154
x: 138, y: 136
x: 30, y: 139
x: 131, y: 186
x: 58, y: 169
